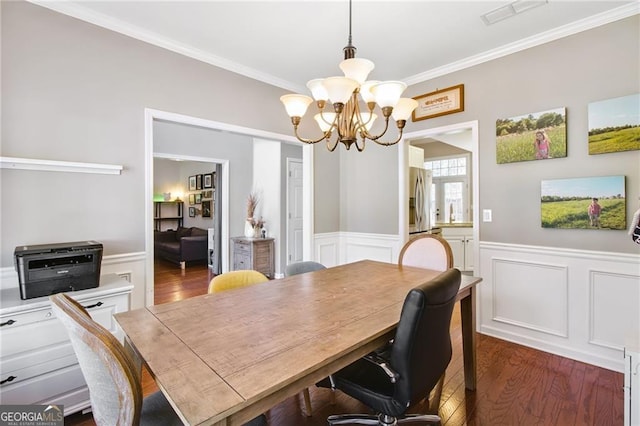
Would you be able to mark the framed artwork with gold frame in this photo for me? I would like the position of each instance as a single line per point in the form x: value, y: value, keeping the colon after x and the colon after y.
x: 441, y: 102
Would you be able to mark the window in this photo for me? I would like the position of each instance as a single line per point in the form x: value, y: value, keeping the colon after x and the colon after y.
x: 450, y: 189
x: 447, y: 167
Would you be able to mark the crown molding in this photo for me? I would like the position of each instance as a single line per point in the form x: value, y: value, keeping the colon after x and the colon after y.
x: 77, y: 11
x: 527, y: 43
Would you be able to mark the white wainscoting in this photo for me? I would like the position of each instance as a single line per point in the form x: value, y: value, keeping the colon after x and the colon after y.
x: 337, y: 248
x: 579, y: 304
x: 130, y: 266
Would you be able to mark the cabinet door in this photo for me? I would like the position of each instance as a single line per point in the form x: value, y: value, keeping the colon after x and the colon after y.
x: 457, y: 247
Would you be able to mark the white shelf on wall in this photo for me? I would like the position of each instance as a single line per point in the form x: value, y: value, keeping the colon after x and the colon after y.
x: 58, y: 166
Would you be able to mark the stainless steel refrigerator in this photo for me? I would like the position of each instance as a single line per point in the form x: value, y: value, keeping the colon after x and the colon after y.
x: 419, y: 200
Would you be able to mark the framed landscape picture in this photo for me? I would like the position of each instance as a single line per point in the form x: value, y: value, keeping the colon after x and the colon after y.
x: 614, y: 125
x: 584, y: 203
x: 534, y: 136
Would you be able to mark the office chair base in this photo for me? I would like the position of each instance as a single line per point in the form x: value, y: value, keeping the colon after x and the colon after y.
x: 381, y: 419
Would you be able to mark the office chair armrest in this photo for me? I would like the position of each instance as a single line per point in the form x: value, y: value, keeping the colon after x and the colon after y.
x: 381, y: 362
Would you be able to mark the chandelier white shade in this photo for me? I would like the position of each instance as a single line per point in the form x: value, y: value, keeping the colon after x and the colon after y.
x: 354, y: 99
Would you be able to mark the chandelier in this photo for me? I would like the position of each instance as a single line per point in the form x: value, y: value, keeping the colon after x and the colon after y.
x: 348, y: 95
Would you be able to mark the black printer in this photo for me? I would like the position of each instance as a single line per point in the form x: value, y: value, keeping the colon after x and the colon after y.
x: 53, y: 268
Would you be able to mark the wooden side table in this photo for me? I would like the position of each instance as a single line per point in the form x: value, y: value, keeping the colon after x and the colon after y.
x: 254, y: 253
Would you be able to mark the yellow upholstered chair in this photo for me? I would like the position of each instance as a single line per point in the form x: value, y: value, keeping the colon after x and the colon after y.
x: 427, y: 251
x: 245, y: 278
x: 236, y: 279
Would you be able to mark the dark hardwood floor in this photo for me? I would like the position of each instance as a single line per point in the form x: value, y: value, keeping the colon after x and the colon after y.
x: 516, y: 385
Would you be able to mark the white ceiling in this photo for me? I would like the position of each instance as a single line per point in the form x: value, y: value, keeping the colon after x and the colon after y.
x: 287, y: 43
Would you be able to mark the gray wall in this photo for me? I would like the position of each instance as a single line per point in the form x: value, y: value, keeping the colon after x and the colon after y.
x: 598, y: 64
x: 76, y: 92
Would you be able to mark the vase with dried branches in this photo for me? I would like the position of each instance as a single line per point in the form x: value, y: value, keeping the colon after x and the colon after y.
x: 253, y: 225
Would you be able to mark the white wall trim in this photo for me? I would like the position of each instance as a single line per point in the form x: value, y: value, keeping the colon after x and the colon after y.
x: 565, y: 252
x: 593, y: 295
x: 13, y: 163
x: 337, y: 248
x: 562, y: 329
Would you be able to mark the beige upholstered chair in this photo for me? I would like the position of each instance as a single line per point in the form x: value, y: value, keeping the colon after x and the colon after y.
x: 430, y: 252
x: 114, y: 384
x: 427, y: 251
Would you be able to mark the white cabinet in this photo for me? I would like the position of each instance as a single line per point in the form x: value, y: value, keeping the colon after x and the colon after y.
x: 631, y: 386
x: 462, y: 245
x: 37, y: 362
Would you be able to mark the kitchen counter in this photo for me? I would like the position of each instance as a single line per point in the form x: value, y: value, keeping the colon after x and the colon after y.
x: 454, y: 225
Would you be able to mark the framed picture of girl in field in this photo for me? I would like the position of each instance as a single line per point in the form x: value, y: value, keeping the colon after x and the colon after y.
x: 534, y: 136
x: 584, y: 203
x: 614, y: 125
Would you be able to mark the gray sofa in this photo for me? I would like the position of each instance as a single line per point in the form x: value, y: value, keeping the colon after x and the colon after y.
x: 181, y: 245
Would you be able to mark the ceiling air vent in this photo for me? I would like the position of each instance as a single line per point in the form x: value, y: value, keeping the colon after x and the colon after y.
x: 512, y: 9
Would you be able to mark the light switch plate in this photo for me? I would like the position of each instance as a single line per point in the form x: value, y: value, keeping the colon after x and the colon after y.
x: 486, y: 215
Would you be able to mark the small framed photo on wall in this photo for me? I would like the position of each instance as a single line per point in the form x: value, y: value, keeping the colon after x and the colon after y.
x: 198, y: 182
x: 192, y: 212
x: 198, y: 198
x: 206, y: 208
x: 192, y: 183
x: 192, y: 199
x: 208, y: 180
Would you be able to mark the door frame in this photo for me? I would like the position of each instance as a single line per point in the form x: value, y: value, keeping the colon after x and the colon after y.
x: 307, y: 166
x: 403, y: 161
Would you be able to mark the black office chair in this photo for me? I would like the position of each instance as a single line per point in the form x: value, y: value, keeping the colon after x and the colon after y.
x: 390, y: 382
x: 302, y: 267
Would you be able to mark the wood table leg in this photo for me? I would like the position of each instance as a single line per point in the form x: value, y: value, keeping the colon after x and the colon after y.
x: 468, y: 322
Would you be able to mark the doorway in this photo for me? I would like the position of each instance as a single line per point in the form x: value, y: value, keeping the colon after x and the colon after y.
x: 459, y: 139
x: 151, y: 116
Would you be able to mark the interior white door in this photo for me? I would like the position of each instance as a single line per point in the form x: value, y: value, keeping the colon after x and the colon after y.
x: 294, y: 210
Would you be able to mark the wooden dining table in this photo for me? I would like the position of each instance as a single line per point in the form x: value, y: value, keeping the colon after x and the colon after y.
x: 224, y: 358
